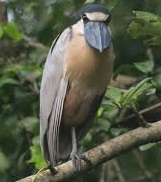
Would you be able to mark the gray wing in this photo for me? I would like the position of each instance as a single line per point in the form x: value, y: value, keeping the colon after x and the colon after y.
x: 52, y: 94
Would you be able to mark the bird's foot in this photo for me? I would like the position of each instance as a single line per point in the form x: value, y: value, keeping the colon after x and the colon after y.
x: 52, y: 169
x: 41, y: 170
x: 76, y: 160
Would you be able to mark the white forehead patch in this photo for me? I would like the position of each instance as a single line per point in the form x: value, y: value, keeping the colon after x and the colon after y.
x: 97, y: 16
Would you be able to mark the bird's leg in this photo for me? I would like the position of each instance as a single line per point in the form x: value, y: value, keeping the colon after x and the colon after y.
x: 76, y: 159
x: 74, y: 156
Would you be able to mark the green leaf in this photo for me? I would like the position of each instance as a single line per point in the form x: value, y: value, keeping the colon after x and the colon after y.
x: 147, y: 16
x: 87, y: 141
x: 110, y: 112
x: 1, y: 31
x: 30, y: 73
x: 155, y: 41
x: 99, y: 112
x: 11, y: 30
x: 138, y: 29
x: 37, y: 157
x: 145, y: 66
x: 132, y: 95
x: 104, y: 124
x: 157, y: 81
x: 7, y: 81
x: 147, y: 25
x: 114, y: 94
x: 147, y: 146
x: 36, y: 140
x: 30, y: 124
x: 117, y: 131
x: 11, y: 69
x: 112, y: 4
x: 4, y: 162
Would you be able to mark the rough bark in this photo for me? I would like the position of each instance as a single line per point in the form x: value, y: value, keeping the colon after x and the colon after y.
x: 102, y: 153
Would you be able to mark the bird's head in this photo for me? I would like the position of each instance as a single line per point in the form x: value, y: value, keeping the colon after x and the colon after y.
x: 95, y: 20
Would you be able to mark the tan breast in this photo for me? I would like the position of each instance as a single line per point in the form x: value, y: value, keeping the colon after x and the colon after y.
x: 86, y: 68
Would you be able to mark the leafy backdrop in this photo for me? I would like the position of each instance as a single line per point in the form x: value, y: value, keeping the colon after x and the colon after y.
x: 136, y: 85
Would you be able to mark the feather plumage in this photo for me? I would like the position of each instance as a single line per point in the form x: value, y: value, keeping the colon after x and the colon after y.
x: 74, y: 81
x: 52, y: 94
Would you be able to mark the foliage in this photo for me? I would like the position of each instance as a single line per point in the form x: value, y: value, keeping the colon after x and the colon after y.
x: 146, y: 24
x: 145, y: 66
x: 36, y: 154
x: 10, y: 30
x: 130, y: 97
x: 146, y: 146
x: 20, y: 78
x: 19, y: 83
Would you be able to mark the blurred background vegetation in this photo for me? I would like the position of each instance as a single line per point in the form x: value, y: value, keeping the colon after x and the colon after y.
x: 27, y: 29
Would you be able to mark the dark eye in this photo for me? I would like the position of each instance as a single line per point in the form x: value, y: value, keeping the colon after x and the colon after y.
x: 85, y: 19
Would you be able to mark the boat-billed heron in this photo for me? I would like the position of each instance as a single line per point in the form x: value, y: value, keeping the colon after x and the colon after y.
x: 77, y: 72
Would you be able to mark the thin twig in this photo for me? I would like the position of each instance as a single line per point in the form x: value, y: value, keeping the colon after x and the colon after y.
x: 144, y: 111
x: 33, y: 43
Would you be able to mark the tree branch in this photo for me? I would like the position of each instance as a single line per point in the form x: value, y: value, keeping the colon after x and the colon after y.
x: 102, y: 153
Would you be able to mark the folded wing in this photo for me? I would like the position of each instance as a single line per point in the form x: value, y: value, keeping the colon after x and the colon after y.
x: 52, y: 94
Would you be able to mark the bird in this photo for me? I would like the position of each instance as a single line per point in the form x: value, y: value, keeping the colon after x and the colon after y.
x: 76, y: 74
